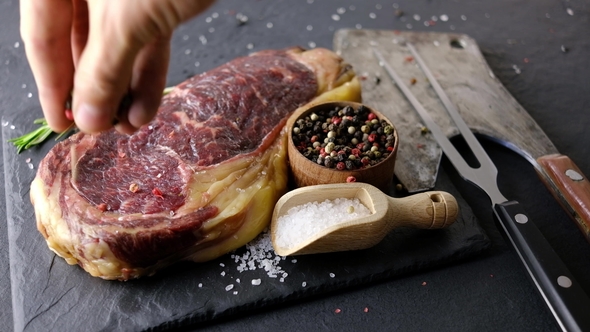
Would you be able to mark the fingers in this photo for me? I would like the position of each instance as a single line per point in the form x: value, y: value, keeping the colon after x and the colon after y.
x: 103, y: 73
x: 148, y: 81
x: 127, y: 52
x: 45, y: 30
x: 80, y: 26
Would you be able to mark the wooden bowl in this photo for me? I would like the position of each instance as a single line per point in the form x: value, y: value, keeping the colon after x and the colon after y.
x: 307, y: 173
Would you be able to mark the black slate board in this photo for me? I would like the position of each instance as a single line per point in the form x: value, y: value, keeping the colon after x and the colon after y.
x: 49, y: 294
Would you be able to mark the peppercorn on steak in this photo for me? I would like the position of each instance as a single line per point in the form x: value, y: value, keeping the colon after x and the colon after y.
x: 198, y: 181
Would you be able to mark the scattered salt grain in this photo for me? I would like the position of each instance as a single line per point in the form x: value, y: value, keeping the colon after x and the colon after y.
x: 294, y: 261
x: 222, y: 273
x: 229, y: 287
x: 341, y: 10
x: 200, y: 285
x: 269, y: 25
x: 261, y: 255
x: 16, y: 45
x: 312, y: 44
x: 309, y: 28
x: 416, y: 17
x: 235, y: 292
x: 256, y: 282
x: 30, y: 166
x: 306, y: 220
x: 221, y: 264
x: 373, y: 15
x: 335, y: 17
x: 570, y: 11
x: 332, y: 275
x: 303, y: 284
x: 464, y: 18
x: 516, y: 69
x: 444, y: 17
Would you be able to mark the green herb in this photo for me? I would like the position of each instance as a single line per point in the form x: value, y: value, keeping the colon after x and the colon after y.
x: 40, y: 134
x: 37, y: 136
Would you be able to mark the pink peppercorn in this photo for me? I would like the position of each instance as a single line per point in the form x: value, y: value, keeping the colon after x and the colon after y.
x: 341, y: 166
x: 371, y: 116
x: 69, y: 114
x: 350, y: 179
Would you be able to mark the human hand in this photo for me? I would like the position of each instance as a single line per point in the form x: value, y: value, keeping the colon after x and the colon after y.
x: 99, y: 51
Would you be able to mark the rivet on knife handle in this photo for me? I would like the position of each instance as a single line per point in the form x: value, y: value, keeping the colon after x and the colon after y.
x: 562, y: 293
x: 569, y: 186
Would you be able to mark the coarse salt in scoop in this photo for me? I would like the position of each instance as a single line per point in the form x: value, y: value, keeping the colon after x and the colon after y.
x: 304, y: 221
x: 324, y: 227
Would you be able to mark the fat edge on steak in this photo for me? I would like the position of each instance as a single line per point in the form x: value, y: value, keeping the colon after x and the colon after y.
x: 239, y: 192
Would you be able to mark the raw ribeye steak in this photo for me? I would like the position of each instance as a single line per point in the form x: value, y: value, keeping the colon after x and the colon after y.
x: 198, y: 181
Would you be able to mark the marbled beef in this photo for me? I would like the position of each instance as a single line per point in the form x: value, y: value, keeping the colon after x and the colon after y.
x: 198, y: 181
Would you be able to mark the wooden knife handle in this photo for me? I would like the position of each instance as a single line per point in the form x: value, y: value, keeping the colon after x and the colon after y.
x: 570, y: 187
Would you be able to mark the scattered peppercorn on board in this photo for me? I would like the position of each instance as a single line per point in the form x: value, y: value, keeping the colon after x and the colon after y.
x: 253, y: 277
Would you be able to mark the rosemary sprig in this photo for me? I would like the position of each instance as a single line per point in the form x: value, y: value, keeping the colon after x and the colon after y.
x: 40, y: 134
x: 37, y: 136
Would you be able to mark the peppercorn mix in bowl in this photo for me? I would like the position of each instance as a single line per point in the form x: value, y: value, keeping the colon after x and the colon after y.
x: 341, y: 141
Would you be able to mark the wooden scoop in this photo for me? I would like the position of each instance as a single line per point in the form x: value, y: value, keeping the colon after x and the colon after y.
x: 428, y: 210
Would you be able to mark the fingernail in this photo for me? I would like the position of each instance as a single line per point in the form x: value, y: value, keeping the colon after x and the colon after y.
x: 90, y: 118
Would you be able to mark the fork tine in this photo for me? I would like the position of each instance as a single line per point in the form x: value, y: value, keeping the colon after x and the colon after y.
x: 484, y: 176
x: 436, y: 131
x: 467, y: 134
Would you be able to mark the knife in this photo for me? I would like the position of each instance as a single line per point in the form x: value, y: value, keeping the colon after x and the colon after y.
x: 562, y: 293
